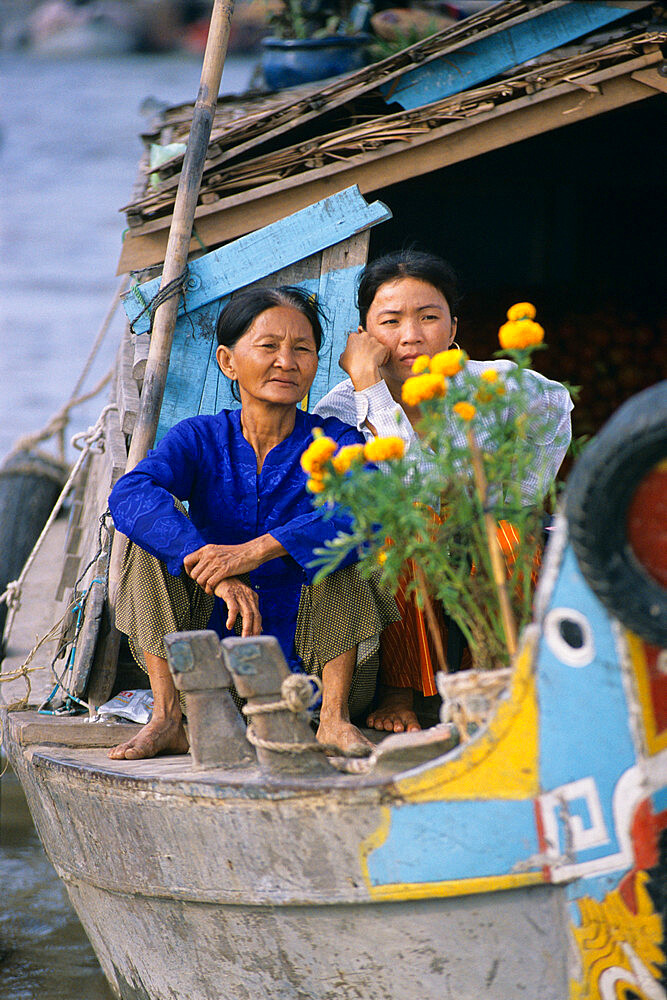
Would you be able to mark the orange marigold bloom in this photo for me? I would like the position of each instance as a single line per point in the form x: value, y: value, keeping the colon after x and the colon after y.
x: 382, y: 557
x: 382, y: 449
x: 466, y: 411
x: 521, y: 310
x: 421, y: 364
x: 315, y: 484
x: 317, y: 453
x: 489, y: 375
x: 518, y: 334
x: 347, y: 456
x: 422, y: 387
x: 448, y: 362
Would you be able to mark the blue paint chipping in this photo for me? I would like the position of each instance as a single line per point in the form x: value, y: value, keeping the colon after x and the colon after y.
x: 440, y: 841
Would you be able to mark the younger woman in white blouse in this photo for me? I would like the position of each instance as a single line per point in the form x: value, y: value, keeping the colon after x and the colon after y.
x: 407, y: 307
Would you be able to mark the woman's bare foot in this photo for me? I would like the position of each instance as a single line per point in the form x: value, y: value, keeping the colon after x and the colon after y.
x: 341, y: 733
x: 395, y: 712
x: 165, y: 735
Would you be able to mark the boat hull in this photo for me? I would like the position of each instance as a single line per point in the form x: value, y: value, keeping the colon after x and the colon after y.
x: 199, y: 889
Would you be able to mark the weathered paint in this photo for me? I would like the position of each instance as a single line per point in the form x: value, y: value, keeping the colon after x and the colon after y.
x: 485, y: 58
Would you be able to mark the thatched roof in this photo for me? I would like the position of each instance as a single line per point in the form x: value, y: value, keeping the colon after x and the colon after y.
x: 273, y: 154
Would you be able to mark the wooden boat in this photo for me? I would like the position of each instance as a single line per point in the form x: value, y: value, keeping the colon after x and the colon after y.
x: 526, y: 859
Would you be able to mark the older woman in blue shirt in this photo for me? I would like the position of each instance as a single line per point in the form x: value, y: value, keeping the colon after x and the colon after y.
x: 243, y: 555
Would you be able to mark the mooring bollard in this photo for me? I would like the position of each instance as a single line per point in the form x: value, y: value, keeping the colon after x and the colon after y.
x: 277, y: 706
x: 215, y: 728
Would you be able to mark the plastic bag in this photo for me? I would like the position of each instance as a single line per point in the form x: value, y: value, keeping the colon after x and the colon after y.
x: 137, y: 706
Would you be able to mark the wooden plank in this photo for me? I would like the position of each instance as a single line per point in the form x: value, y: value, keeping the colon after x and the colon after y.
x: 31, y: 727
x: 126, y: 387
x: 278, y: 245
x: 510, y: 122
x: 142, y: 343
x: 489, y: 57
x: 652, y: 78
x: 69, y: 574
x: 341, y: 268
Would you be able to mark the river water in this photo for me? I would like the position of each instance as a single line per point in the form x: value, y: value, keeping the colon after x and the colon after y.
x: 69, y: 151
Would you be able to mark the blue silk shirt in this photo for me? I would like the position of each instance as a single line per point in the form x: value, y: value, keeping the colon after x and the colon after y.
x: 207, y: 461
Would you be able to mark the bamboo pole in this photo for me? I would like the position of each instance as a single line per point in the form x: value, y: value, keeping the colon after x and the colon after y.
x: 180, y: 232
x: 176, y: 255
x: 497, y: 562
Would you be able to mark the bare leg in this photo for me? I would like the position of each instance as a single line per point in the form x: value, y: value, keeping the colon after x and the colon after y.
x: 395, y: 712
x: 335, y: 726
x: 164, y: 733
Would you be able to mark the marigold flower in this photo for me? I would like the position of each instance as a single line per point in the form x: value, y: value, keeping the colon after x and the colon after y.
x: 489, y: 375
x: 346, y: 457
x: 421, y: 364
x: 466, y: 411
x: 382, y: 449
x: 521, y: 310
x: 317, y: 453
x: 422, y: 387
x: 382, y: 556
x: 448, y: 362
x: 315, y: 484
x: 518, y: 334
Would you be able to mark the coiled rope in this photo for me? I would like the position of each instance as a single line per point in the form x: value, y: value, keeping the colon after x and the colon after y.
x: 298, y: 693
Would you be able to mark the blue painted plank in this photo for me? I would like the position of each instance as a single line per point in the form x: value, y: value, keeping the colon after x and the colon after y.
x: 486, y: 58
x: 260, y: 253
x: 445, y: 841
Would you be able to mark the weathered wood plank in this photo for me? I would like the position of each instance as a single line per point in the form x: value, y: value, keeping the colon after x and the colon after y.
x: 142, y: 344
x: 126, y: 386
x: 488, y: 57
x: 278, y: 245
x: 30, y: 728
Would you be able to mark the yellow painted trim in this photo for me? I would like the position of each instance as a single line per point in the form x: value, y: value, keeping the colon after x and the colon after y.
x: 456, y: 887
x: 503, y: 763
x: 655, y: 741
x: 376, y: 839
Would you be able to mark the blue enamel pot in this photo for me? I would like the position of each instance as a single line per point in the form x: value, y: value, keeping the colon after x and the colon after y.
x: 288, y: 62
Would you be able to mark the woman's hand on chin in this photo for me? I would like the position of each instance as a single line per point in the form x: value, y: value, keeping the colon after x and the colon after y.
x: 240, y: 600
x: 362, y: 359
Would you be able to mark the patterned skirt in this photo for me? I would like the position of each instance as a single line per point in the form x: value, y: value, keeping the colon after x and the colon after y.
x: 342, y: 611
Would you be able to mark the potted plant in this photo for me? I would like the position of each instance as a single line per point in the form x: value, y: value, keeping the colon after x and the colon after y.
x: 313, y: 40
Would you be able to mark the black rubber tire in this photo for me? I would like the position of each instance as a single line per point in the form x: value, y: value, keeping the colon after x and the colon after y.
x: 29, y: 487
x: 599, y: 492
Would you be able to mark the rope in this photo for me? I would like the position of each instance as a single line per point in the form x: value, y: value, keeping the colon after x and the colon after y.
x: 174, y: 287
x: 58, y: 422
x: 297, y: 695
x: 86, y: 441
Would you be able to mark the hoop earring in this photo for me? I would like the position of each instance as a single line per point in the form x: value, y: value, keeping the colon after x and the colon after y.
x: 455, y: 345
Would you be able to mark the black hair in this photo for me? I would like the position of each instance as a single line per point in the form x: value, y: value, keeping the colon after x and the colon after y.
x: 408, y: 263
x: 243, y: 309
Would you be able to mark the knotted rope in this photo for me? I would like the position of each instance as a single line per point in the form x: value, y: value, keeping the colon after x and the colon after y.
x: 297, y: 694
x: 174, y: 287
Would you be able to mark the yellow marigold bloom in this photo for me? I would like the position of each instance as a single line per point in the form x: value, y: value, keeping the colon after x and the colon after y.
x: 422, y: 387
x: 315, y: 485
x: 489, y: 375
x: 317, y: 453
x: 421, y: 364
x: 448, y: 362
x: 522, y: 310
x: 382, y: 556
x: 347, y: 456
x: 517, y: 334
x: 466, y: 411
x: 382, y: 449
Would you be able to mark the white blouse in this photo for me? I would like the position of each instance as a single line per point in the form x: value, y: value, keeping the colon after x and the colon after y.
x: 548, y: 433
